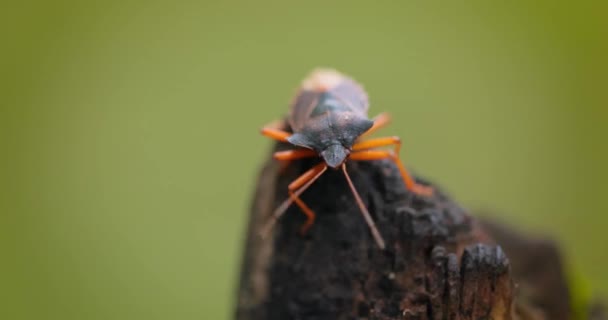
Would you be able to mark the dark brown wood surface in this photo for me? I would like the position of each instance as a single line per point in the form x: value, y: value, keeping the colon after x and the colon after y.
x: 440, y: 261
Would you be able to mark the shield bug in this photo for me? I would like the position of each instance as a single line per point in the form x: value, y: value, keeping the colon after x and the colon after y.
x: 329, y: 119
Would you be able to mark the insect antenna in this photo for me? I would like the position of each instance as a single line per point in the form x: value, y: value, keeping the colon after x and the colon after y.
x: 280, y: 210
x: 364, y: 211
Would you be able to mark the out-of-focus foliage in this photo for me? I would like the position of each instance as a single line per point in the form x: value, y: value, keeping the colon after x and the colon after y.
x: 130, y: 141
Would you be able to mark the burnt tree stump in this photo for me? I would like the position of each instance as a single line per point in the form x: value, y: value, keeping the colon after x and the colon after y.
x: 439, y: 263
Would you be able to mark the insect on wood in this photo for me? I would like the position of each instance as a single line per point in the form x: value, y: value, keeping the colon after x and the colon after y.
x: 329, y: 119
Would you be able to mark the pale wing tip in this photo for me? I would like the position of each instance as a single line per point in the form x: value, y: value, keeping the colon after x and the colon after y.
x: 322, y: 79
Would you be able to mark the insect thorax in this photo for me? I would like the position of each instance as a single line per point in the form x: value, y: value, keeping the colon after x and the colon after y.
x: 332, y: 127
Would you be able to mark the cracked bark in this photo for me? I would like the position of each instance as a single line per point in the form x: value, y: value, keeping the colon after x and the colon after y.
x: 440, y: 262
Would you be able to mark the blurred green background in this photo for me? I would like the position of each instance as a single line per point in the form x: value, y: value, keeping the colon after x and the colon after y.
x: 130, y: 133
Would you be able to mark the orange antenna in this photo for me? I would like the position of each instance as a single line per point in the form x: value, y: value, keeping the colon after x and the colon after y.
x: 366, y: 215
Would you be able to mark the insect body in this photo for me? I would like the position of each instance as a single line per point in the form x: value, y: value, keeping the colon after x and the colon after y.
x: 329, y: 119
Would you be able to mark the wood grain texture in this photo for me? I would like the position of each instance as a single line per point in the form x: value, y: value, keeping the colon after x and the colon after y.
x: 440, y: 261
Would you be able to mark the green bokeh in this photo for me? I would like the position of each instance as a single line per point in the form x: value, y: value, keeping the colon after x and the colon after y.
x: 130, y: 141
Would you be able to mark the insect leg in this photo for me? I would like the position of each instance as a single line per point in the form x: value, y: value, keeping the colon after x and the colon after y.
x: 380, y: 121
x: 275, y: 130
x: 294, y: 154
x: 285, y: 157
x: 364, y: 155
x: 276, y: 134
x: 377, y: 143
x: 295, y: 189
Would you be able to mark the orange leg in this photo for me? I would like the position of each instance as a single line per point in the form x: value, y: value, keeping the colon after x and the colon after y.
x: 309, y: 176
x: 295, y: 189
x: 380, y: 121
x: 294, y: 154
x: 361, y: 153
x: 275, y: 131
x: 287, y: 156
x: 377, y: 143
x: 276, y: 134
